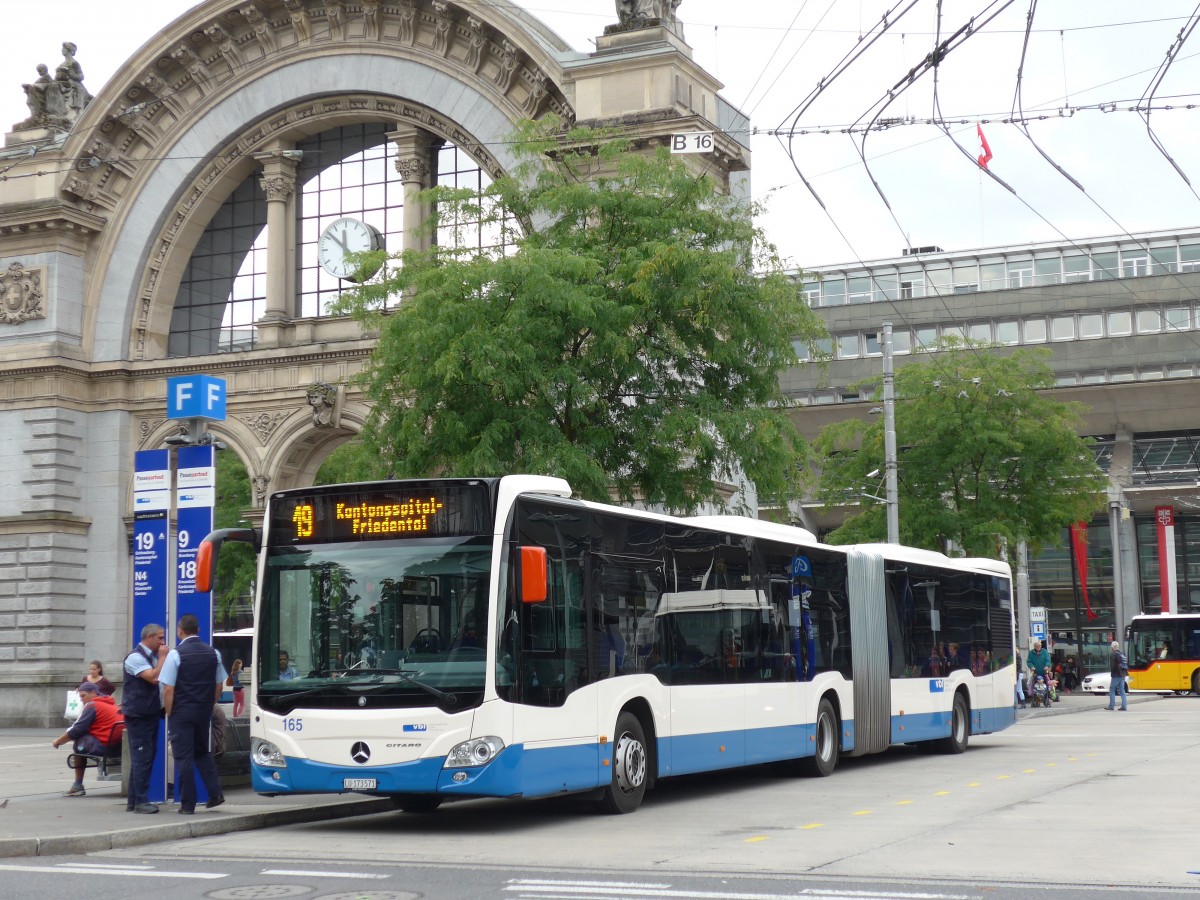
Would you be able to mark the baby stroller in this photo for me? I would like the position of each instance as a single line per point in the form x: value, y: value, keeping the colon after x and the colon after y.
x: 1039, y: 694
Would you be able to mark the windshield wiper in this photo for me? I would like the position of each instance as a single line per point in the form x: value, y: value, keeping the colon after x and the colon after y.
x: 281, y: 698
x: 353, y: 687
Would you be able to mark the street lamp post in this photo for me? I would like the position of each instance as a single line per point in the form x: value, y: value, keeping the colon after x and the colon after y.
x: 889, y: 439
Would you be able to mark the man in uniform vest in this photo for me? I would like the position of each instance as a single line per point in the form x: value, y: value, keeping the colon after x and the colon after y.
x: 142, y: 707
x: 193, y: 678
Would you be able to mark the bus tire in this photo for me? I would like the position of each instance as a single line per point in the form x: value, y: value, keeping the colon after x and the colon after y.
x: 960, y: 729
x: 828, y: 747
x: 1196, y: 682
x: 629, y: 767
x: 417, y: 803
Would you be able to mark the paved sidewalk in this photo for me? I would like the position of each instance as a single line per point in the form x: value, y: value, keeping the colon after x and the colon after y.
x: 37, y: 820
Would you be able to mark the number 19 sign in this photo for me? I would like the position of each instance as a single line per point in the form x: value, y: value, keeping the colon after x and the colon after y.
x: 692, y: 142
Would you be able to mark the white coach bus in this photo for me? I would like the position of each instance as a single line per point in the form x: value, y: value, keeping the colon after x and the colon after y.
x: 493, y: 637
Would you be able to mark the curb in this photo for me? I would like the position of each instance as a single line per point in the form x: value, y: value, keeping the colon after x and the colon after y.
x: 65, y: 845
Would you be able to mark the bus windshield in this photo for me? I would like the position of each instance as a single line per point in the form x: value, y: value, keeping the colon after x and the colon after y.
x: 403, y: 623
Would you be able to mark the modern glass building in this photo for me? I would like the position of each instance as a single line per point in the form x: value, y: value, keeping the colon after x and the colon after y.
x: 1121, y: 316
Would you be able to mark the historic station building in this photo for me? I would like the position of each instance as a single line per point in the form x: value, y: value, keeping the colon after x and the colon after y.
x: 172, y: 224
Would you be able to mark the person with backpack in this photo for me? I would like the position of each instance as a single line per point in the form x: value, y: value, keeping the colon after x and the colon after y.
x: 1118, y: 668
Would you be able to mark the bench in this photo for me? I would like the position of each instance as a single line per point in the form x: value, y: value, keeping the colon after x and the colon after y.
x: 108, y: 768
x: 107, y: 764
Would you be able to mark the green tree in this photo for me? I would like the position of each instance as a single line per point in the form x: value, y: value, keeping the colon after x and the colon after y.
x: 352, y: 461
x: 983, y: 458
x: 632, y: 342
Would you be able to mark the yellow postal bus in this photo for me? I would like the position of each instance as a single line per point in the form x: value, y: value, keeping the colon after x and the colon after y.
x: 1164, y: 653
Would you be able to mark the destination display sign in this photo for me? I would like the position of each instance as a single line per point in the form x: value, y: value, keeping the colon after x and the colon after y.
x: 386, y: 511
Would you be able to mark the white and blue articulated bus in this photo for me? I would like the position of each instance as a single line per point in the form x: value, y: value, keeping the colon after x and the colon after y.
x: 493, y: 637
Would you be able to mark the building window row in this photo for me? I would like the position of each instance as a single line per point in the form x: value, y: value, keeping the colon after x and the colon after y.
x: 1012, y: 332
x: 943, y: 277
x: 1063, y: 379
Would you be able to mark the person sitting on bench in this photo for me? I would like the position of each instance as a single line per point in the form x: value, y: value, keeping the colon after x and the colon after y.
x: 96, y: 732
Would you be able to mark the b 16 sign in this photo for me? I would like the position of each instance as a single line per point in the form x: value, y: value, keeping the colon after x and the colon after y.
x: 692, y: 142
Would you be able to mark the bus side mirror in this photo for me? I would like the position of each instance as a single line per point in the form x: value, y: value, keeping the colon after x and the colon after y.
x: 210, y: 548
x: 533, y: 574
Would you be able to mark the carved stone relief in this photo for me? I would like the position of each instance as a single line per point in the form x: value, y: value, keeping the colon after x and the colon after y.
x: 258, y: 485
x: 325, y: 400
x: 263, y: 424
x: 21, y: 291
x: 301, y: 27
x: 261, y: 28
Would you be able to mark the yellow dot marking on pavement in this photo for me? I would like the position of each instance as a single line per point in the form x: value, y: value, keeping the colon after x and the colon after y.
x: 1029, y: 771
x: 1093, y: 754
x: 811, y: 826
x: 940, y: 793
x: 755, y: 840
x: 1002, y: 777
x: 903, y: 802
x: 1051, y: 765
x: 974, y: 784
x: 862, y: 812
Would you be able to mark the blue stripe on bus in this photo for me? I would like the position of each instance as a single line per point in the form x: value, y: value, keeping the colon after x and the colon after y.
x: 515, y: 772
x: 518, y: 772
x: 931, y: 726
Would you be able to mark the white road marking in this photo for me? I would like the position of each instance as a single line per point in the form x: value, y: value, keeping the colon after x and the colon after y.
x: 84, y: 869
x: 305, y: 873
x: 541, y: 890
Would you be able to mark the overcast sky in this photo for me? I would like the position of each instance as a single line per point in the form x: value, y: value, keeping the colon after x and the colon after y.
x: 771, y: 54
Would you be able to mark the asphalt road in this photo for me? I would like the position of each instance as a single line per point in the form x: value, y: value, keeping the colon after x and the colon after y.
x: 1097, y: 804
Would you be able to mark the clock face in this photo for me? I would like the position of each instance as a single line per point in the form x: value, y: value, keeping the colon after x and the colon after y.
x: 342, y: 238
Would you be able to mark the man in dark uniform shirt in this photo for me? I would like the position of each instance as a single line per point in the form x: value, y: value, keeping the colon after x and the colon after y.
x: 142, y: 706
x: 192, y: 679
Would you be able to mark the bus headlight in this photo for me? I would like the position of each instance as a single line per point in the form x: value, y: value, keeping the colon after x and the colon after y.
x: 475, y: 752
x: 264, y: 753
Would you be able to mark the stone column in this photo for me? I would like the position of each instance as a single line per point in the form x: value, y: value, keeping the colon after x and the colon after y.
x: 416, y: 162
x: 278, y: 182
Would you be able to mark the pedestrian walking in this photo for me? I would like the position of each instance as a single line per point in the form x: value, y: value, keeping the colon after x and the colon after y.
x: 95, y: 675
x: 1038, y: 662
x: 1118, y: 668
x: 193, y: 679
x: 142, y: 707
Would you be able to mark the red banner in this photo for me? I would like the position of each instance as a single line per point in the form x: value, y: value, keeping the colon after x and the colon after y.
x: 1165, y: 516
x: 1079, y: 547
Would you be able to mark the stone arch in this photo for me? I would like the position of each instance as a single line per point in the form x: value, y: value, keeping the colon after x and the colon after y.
x: 300, y: 446
x: 173, y: 243
x: 183, y: 115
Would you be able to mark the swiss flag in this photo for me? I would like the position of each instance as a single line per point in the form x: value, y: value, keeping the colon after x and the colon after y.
x: 985, y: 152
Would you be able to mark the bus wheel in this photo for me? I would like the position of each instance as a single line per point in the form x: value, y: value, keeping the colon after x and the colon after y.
x: 825, y: 760
x: 1196, y: 682
x: 959, y: 730
x: 417, y: 803
x: 629, y: 761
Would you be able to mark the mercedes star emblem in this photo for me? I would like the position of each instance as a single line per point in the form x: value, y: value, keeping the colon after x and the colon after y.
x: 360, y: 752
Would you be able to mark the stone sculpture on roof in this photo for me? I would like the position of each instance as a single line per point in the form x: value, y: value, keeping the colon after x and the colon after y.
x: 56, y: 103
x: 643, y: 13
